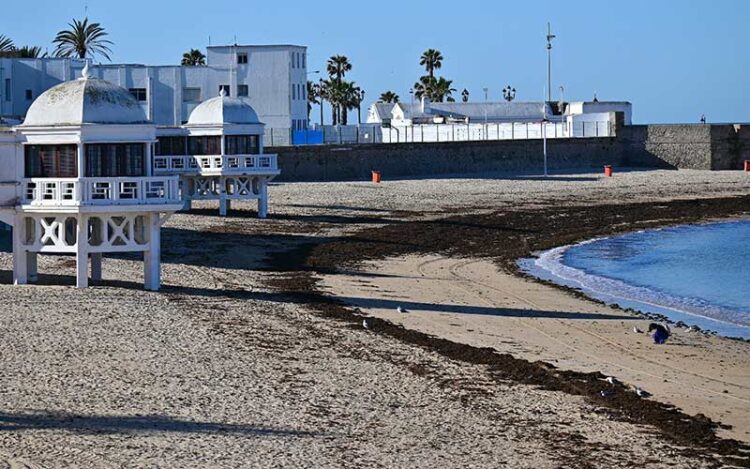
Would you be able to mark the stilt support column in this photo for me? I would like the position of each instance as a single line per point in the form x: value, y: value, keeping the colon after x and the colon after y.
x: 152, y: 256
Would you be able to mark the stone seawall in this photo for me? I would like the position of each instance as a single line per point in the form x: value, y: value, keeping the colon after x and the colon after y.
x: 698, y: 146
x: 355, y: 162
x: 688, y: 146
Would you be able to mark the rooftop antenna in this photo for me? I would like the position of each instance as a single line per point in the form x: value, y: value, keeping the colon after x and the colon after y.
x: 209, y: 40
x: 550, y: 37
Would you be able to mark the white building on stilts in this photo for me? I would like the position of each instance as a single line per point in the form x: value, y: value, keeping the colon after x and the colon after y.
x: 76, y: 178
x: 218, y: 154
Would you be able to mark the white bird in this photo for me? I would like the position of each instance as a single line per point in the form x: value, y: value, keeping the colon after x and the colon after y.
x: 610, y: 380
x: 637, y: 331
x: 364, y: 324
x: 401, y: 310
x: 642, y: 392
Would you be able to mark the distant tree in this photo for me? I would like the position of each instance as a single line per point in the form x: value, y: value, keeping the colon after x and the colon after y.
x: 29, y: 52
x: 424, y: 87
x: 6, y: 44
x: 338, y: 66
x: 388, y: 97
x: 442, y: 91
x: 313, y: 97
x: 465, y: 95
x: 193, y: 57
x: 431, y: 60
x: 82, y: 40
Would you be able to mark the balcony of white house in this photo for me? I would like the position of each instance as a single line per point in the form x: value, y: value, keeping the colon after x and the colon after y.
x: 99, y: 191
x: 216, y: 165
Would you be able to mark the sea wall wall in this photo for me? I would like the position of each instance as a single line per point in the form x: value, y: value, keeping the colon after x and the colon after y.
x: 355, y: 162
x: 716, y: 147
x: 686, y: 146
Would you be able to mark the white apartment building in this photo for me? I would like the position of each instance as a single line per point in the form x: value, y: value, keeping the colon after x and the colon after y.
x: 272, y: 77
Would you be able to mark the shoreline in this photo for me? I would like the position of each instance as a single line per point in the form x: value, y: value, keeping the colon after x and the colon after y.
x: 376, y: 244
x: 525, y: 269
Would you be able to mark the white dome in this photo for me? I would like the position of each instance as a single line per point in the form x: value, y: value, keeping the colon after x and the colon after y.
x: 223, y: 110
x: 85, y: 101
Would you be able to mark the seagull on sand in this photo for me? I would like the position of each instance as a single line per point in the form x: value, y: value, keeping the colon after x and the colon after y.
x: 401, y: 310
x: 642, y: 392
x: 637, y: 331
x: 364, y: 324
x: 610, y: 379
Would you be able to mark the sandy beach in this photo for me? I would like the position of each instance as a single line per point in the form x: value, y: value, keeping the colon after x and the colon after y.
x: 254, y: 353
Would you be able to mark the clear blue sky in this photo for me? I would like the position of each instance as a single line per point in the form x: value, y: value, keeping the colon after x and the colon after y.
x: 673, y: 59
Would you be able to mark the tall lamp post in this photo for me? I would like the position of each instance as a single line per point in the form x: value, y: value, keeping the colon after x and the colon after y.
x: 360, y: 98
x: 320, y: 96
x: 544, y: 136
x: 550, y: 37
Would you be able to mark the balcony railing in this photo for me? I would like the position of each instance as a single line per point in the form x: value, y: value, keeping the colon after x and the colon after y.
x: 215, y: 164
x: 59, y: 192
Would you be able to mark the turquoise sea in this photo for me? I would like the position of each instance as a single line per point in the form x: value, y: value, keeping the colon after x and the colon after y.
x: 698, y: 274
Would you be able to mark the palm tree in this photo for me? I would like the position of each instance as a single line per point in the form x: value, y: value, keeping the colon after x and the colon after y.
x: 337, y: 67
x: 351, y: 98
x: 465, y: 95
x: 431, y: 60
x: 424, y: 87
x: 29, y: 52
x: 6, y: 44
x: 82, y: 40
x: 442, y: 91
x: 193, y: 57
x: 313, y: 97
x: 330, y: 91
x: 388, y: 97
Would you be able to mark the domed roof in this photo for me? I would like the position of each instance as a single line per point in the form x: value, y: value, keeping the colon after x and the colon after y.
x: 85, y: 101
x: 223, y: 110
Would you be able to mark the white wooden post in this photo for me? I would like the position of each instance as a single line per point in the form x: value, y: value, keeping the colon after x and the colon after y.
x: 80, y: 162
x: 20, y: 265
x: 263, y: 199
x: 96, y: 266
x: 82, y: 255
x: 151, y: 257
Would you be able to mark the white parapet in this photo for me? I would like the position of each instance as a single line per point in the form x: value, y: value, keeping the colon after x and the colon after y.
x: 73, y: 192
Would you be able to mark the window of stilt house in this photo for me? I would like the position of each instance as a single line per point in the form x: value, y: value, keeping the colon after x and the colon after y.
x: 51, y: 161
x: 241, y: 144
x: 115, y: 160
x: 205, y: 145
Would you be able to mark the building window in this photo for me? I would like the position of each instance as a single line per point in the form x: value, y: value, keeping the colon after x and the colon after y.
x: 241, y: 144
x: 226, y: 89
x: 242, y: 90
x: 115, y: 160
x: 170, y: 146
x: 51, y: 161
x: 29, y: 95
x: 138, y: 93
x: 208, y: 145
x: 294, y: 91
x: 7, y: 89
x: 191, y: 95
x: 242, y: 58
x: 304, y: 60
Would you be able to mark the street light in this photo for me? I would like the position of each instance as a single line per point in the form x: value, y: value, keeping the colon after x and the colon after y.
x: 320, y: 97
x: 550, y: 37
x: 359, y: 106
x: 509, y: 93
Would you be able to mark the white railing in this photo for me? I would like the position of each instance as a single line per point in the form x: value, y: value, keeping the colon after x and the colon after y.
x: 215, y: 164
x: 50, y: 192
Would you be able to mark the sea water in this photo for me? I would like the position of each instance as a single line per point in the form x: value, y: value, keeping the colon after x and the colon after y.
x: 698, y: 274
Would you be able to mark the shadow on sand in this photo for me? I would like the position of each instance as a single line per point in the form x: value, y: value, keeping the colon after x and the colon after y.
x: 476, y: 310
x: 111, y: 424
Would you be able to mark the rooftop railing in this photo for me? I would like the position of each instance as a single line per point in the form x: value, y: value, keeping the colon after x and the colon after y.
x: 215, y: 164
x: 70, y: 192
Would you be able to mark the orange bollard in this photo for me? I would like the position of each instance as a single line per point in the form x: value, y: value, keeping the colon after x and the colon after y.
x: 747, y: 166
x: 376, y: 177
x: 608, y: 171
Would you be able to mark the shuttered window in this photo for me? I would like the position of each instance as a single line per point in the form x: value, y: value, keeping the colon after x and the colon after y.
x: 115, y: 160
x: 51, y: 161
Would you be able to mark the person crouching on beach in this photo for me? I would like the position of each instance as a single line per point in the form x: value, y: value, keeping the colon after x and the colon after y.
x: 659, y: 333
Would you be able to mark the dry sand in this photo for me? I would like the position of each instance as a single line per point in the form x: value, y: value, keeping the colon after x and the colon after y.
x: 220, y: 370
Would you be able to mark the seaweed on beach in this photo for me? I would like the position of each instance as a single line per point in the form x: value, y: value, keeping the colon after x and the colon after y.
x: 506, y: 236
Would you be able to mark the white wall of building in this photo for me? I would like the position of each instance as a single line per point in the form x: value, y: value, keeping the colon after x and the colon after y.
x: 275, y: 77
